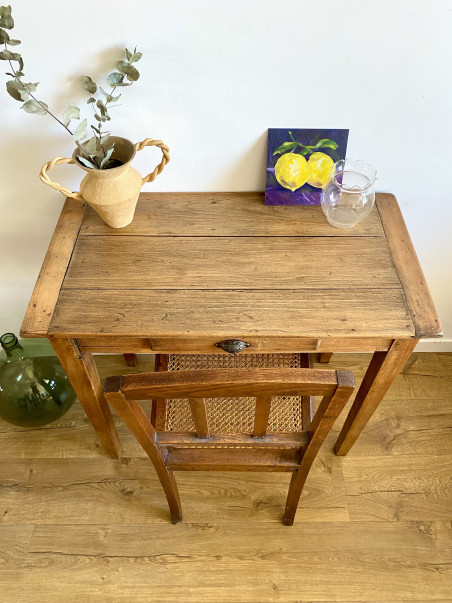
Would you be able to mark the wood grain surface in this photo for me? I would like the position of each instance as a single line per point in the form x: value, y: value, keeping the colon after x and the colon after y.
x: 50, y: 279
x: 224, y: 215
x: 346, y: 313
x: 371, y: 527
x: 109, y: 262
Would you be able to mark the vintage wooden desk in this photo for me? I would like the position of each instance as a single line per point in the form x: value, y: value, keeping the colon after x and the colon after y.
x: 194, y: 269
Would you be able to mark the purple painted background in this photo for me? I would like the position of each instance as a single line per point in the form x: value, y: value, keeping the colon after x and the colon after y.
x: 275, y: 194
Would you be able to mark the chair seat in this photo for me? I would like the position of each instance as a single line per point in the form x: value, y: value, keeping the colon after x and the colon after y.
x: 225, y: 415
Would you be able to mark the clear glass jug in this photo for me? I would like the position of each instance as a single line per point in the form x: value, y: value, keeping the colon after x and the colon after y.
x: 349, y: 195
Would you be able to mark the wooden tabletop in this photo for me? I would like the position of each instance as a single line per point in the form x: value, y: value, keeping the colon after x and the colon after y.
x: 225, y: 265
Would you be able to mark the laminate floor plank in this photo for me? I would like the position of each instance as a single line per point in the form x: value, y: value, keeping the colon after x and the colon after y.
x: 99, y: 490
x: 399, y: 488
x: 237, y: 563
x: 14, y: 544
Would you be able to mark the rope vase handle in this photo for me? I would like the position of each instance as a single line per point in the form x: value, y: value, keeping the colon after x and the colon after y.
x: 45, y: 178
x: 150, y: 142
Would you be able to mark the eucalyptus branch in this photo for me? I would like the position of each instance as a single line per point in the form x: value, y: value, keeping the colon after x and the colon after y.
x: 93, y: 153
x: 43, y: 105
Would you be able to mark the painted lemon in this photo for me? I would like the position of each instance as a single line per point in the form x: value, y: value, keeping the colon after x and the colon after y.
x: 291, y: 171
x: 319, y: 167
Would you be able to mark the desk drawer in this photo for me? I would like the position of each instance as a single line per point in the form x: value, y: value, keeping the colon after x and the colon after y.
x: 207, y: 345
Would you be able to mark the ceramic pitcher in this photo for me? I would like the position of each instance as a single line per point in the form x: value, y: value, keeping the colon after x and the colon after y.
x: 112, y: 193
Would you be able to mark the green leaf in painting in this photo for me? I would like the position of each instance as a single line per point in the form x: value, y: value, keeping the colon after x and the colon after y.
x: 286, y: 147
x: 33, y: 106
x: 136, y: 57
x: 87, y: 162
x: 80, y: 131
x: 128, y: 54
x: 325, y: 143
x: 91, y: 100
x: 14, y: 42
x: 104, y: 138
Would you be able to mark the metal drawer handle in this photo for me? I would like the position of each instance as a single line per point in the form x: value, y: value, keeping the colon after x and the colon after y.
x: 233, y: 346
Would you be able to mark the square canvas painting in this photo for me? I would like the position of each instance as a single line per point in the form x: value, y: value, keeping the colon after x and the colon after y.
x: 299, y: 164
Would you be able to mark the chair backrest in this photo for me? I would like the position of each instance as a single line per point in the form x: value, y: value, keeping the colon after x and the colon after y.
x: 257, y: 451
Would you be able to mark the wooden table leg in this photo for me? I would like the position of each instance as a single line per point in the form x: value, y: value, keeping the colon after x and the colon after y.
x: 83, y: 375
x: 383, y: 369
x: 324, y: 358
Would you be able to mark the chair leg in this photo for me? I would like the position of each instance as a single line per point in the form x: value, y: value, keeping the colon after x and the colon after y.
x: 329, y: 409
x: 295, y: 489
x: 136, y: 420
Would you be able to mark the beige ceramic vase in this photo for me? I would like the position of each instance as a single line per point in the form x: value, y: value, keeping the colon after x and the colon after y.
x: 112, y: 193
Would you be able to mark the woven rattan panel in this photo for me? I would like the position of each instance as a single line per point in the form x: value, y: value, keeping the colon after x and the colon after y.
x: 234, y: 415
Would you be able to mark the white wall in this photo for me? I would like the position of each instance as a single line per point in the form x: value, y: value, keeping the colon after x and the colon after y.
x: 215, y: 75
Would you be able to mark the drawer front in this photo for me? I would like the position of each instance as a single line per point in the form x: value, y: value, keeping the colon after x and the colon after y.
x: 208, y: 345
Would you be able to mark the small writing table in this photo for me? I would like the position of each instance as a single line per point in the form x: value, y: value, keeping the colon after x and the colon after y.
x: 194, y: 269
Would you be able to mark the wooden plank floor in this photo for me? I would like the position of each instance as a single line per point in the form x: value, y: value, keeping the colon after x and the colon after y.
x: 372, y: 526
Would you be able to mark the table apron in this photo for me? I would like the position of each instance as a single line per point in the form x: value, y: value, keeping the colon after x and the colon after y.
x: 207, y: 345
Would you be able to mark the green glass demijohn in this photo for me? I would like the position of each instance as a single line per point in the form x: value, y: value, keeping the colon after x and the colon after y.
x: 33, y: 390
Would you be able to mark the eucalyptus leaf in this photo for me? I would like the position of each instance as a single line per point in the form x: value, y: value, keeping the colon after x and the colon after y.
x: 33, y: 106
x: 4, y: 37
x: 14, y: 42
x: 106, y: 94
x: 129, y: 70
x: 87, y: 162
x: 128, y: 54
x: 114, y: 98
x: 72, y: 112
x: 104, y: 138
x: 6, y: 20
x: 7, y: 55
x: 103, y: 109
x: 107, y: 157
x: 136, y: 57
x: 91, y: 100
x: 115, y: 79
x: 90, y: 86
x: 24, y: 94
x: 80, y: 131
x: 12, y: 88
x: 91, y: 146
x: 18, y: 74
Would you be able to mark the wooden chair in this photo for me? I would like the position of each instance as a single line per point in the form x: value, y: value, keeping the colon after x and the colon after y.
x: 252, y: 416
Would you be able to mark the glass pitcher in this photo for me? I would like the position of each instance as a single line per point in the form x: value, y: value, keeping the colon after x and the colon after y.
x: 349, y: 194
